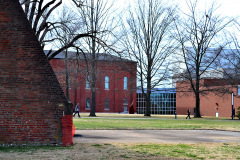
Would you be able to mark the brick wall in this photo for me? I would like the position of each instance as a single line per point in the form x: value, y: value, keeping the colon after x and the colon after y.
x: 113, y: 69
x: 30, y: 95
x: 211, y: 102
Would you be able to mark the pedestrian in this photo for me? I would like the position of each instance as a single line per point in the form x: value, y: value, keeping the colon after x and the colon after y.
x: 77, y: 110
x: 188, y: 113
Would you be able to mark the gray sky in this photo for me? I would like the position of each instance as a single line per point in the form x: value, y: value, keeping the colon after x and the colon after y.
x: 227, y: 8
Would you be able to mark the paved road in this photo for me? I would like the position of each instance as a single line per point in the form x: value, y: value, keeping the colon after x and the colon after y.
x: 156, y: 136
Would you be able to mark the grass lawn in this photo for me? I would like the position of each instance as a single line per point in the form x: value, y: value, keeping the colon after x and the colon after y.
x: 117, y: 151
x: 121, y: 151
x: 136, y: 121
x: 189, y: 151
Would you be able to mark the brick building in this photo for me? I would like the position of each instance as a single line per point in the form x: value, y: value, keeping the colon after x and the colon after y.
x: 216, y: 100
x: 115, y: 86
x: 31, y: 99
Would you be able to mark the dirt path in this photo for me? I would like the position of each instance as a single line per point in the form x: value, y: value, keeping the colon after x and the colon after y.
x: 156, y: 136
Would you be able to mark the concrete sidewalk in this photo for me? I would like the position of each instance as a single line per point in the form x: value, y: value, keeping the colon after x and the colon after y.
x: 156, y: 136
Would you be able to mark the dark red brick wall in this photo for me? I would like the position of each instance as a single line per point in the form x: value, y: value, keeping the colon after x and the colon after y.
x: 114, y: 70
x: 210, y: 102
x: 30, y: 95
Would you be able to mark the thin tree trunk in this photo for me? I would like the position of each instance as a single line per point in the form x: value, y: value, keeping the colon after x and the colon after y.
x: 148, y: 102
x: 148, y: 98
x: 67, y: 76
x: 92, y: 113
x: 93, y: 90
x: 197, y: 114
x: 93, y: 81
x: 197, y: 91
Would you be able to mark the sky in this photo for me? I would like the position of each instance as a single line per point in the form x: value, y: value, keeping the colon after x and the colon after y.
x: 227, y: 7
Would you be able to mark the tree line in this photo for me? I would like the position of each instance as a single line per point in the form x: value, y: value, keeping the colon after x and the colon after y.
x: 166, y: 41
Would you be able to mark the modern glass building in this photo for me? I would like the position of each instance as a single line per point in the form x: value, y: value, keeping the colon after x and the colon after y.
x: 163, y: 101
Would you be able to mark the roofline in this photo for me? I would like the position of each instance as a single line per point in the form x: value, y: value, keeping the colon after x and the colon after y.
x: 120, y: 59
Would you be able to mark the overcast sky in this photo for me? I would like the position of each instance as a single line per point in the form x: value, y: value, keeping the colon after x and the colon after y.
x: 227, y: 7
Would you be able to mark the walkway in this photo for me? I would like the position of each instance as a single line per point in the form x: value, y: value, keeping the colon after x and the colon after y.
x: 156, y: 136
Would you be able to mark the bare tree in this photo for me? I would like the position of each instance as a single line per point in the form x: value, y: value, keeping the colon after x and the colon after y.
x: 95, y: 16
x: 148, y: 41
x: 230, y: 59
x: 197, y: 32
x: 65, y: 35
x: 39, y: 14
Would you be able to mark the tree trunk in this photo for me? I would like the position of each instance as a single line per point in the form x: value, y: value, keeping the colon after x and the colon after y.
x: 75, y: 94
x: 197, y: 96
x: 93, y: 87
x: 197, y: 114
x: 92, y: 113
x: 148, y: 102
x: 148, y: 98
x: 93, y: 80
x: 67, y: 76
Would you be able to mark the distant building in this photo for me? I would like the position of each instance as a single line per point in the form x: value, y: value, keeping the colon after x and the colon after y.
x: 225, y: 66
x: 216, y: 100
x: 163, y: 101
x: 115, y: 86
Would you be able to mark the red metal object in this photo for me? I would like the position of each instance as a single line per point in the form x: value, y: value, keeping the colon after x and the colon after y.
x: 73, y: 130
x: 67, y: 124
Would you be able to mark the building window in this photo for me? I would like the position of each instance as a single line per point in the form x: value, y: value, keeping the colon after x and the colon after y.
x: 238, y: 90
x: 106, y: 82
x: 106, y: 104
x: 125, y: 83
x: 162, y: 102
x: 87, y: 103
x: 87, y: 82
x: 125, y: 101
x: 125, y: 105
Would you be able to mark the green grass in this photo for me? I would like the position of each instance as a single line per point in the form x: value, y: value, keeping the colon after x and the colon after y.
x: 97, y: 145
x: 32, y: 148
x: 154, y: 122
x: 191, y: 151
x: 127, y: 151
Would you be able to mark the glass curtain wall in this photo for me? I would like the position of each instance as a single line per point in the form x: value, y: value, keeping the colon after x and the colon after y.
x: 163, y: 101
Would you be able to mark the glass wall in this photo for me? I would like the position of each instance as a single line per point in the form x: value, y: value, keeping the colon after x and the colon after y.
x: 163, y: 101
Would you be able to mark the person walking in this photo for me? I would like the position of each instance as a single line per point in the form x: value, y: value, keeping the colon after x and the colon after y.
x: 77, y: 110
x: 188, y: 113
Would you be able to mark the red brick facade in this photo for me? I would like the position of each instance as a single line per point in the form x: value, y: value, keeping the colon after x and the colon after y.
x: 216, y: 102
x: 31, y: 99
x: 115, y: 70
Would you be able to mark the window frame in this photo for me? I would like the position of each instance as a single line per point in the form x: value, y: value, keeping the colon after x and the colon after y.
x: 87, y: 82
x: 238, y: 90
x: 106, y: 84
x: 125, y: 101
x: 106, y: 104
x: 125, y: 83
x: 87, y: 102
